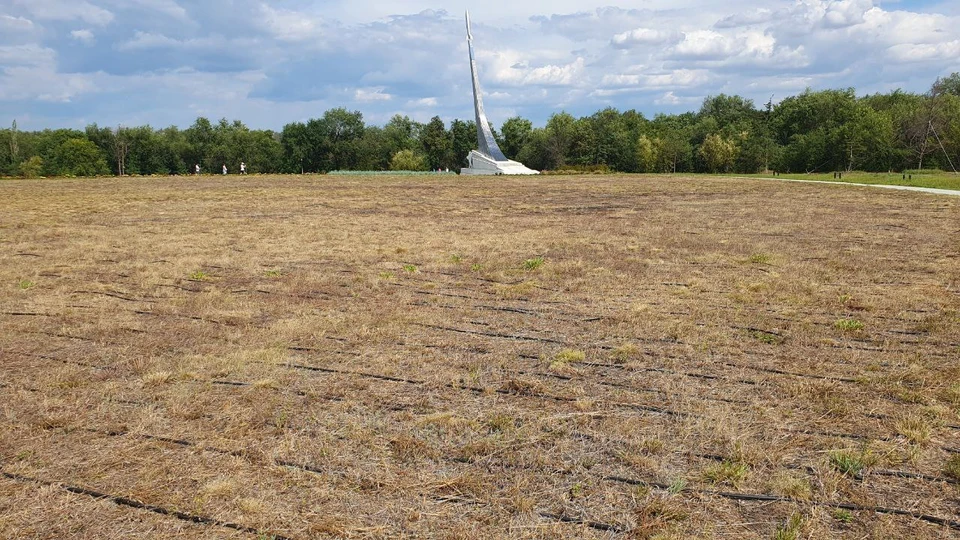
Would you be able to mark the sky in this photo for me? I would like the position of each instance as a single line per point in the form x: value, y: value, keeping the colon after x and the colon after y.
x: 69, y: 63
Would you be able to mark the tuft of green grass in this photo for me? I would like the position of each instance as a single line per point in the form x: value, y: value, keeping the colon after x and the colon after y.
x: 916, y: 429
x: 791, y: 529
x: 564, y: 358
x: 475, y: 267
x: 456, y: 257
x: 533, y: 264
x: 727, y: 472
x: 766, y: 337
x: 387, y: 275
x: 841, y: 515
x: 272, y: 273
x: 409, y: 268
x: 501, y: 423
x: 793, y: 486
x: 952, y: 467
x: 850, y: 463
x: 567, y: 356
x: 199, y: 275
x: 677, y: 486
x: 25, y: 284
x: 848, y: 325
x: 760, y: 258
x: 625, y: 352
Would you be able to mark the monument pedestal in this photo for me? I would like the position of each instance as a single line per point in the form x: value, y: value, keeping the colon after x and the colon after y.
x: 481, y: 164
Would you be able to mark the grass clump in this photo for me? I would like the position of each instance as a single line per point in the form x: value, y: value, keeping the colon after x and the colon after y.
x: 25, y: 284
x: 793, y: 487
x: 952, y: 467
x: 727, y: 472
x: 409, y: 268
x: 916, y: 429
x: 848, y: 325
x: 625, y: 352
x: 561, y: 362
x: 760, y: 258
x: 851, y: 463
x: 199, y: 275
x: 656, y: 514
x: 272, y: 273
x: 157, y: 378
x: 476, y: 267
x: 841, y: 515
x: 766, y: 337
x: 533, y: 264
x: 456, y: 257
x: 791, y: 529
x: 567, y: 356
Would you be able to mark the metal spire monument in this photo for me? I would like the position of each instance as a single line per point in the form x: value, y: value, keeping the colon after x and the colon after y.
x: 488, y: 159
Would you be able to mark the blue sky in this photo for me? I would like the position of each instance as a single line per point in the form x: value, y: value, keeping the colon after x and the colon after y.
x: 67, y: 63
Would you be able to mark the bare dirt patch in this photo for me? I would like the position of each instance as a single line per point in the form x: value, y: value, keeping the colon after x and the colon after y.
x: 441, y: 357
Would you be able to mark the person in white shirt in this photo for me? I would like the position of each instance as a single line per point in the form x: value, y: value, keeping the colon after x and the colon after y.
x: 243, y: 168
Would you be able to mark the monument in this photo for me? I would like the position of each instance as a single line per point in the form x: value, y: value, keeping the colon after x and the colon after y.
x: 488, y: 158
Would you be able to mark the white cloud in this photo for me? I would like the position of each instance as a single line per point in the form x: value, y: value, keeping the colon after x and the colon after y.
x: 83, y: 36
x: 925, y: 52
x: 288, y: 25
x: 705, y: 44
x: 27, y: 55
x: 9, y: 23
x: 643, y: 36
x: 509, y: 68
x: 66, y: 10
x: 366, y: 95
x: 423, y: 102
x: 668, y: 99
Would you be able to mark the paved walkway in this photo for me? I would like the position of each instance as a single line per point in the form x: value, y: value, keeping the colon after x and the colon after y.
x: 935, y: 191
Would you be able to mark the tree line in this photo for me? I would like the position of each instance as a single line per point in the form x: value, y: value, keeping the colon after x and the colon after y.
x: 815, y: 131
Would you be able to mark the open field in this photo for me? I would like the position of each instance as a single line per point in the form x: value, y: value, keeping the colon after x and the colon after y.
x: 928, y: 179
x: 313, y: 357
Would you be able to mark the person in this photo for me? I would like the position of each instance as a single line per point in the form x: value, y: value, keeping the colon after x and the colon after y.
x: 196, y: 169
x: 224, y: 169
x: 243, y: 168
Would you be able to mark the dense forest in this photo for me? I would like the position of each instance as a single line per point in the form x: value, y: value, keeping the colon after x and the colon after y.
x: 815, y: 131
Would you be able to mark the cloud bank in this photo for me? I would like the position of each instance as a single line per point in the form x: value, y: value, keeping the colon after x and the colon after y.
x: 164, y: 62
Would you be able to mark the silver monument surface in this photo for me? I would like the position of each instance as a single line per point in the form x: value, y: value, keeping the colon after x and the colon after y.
x: 488, y: 158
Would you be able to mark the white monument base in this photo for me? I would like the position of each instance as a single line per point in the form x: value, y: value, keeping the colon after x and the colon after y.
x: 482, y: 164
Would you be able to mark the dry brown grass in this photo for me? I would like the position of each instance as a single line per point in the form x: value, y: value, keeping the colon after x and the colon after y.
x: 453, y: 358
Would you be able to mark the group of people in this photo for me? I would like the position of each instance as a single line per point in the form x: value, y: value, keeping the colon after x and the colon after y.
x: 243, y: 168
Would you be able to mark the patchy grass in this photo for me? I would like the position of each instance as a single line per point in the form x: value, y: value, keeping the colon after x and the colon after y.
x: 848, y: 325
x: 952, y: 467
x: 727, y: 472
x: 244, y: 350
x: 533, y: 264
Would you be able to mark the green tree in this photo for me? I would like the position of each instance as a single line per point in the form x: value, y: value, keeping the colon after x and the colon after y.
x: 718, y: 154
x: 32, y: 167
x: 463, y: 136
x: 560, y: 133
x: 647, y: 154
x: 79, y: 157
x: 408, y: 160
x: 514, y: 133
x: 436, y: 143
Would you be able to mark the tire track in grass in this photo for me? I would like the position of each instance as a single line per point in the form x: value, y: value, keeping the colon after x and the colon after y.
x: 592, y: 524
x: 139, y: 505
x: 759, y: 497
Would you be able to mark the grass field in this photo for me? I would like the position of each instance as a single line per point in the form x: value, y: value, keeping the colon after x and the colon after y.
x: 440, y: 357
x: 928, y: 179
